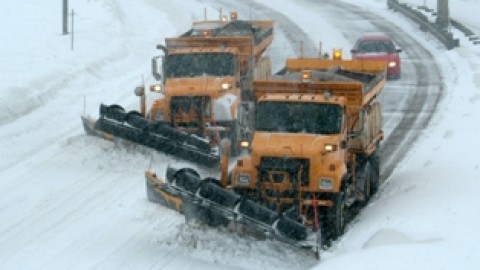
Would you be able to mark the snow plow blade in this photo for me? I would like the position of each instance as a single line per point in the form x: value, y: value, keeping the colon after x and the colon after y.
x: 133, y: 127
x: 207, y: 201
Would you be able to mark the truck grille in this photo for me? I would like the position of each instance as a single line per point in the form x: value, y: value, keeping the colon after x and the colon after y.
x: 295, y: 167
x: 187, y: 105
x: 190, y: 112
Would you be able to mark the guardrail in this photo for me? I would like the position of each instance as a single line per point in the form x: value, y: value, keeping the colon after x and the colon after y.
x: 466, y: 31
x: 441, y: 34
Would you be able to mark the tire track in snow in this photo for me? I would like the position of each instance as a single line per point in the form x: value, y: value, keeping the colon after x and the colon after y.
x: 208, y: 241
x: 61, y: 211
x: 420, y: 105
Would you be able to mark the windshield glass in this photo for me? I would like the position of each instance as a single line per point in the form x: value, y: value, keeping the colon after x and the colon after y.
x: 299, y: 117
x: 376, y: 46
x: 198, y: 64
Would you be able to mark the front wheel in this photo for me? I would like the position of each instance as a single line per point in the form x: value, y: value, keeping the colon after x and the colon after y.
x: 365, y: 179
x: 336, y: 216
x: 234, y: 147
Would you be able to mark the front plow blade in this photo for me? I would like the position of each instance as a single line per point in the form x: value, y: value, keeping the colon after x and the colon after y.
x: 132, y: 126
x: 184, y: 191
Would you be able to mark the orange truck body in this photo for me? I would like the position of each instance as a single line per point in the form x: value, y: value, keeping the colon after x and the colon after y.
x: 330, y: 161
x: 208, y: 75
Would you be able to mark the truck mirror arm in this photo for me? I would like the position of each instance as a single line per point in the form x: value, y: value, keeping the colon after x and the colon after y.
x: 155, y: 69
x: 351, y: 135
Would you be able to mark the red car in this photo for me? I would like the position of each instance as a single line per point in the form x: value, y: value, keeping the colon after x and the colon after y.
x: 379, y: 47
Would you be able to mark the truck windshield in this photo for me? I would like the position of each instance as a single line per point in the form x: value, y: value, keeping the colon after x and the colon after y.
x: 298, y: 117
x: 198, y: 64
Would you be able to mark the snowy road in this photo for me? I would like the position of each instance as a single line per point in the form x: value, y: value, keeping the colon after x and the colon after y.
x: 77, y: 202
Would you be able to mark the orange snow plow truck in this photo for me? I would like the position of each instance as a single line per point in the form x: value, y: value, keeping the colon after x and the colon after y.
x: 314, y: 154
x: 204, y: 94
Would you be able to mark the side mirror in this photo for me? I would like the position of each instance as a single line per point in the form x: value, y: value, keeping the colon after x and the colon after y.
x: 163, y: 48
x: 156, y: 70
x: 353, y: 51
x: 399, y: 50
x: 157, y: 66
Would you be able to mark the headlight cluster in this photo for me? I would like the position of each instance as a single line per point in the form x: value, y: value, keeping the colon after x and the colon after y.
x: 325, y: 183
x: 244, y: 144
x: 157, y: 88
x: 392, y: 64
x: 243, y: 179
x: 226, y: 86
x: 330, y: 148
x: 159, y: 116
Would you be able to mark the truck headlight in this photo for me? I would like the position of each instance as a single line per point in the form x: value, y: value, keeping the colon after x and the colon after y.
x: 244, y: 144
x: 243, y: 179
x: 159, y: 116
x: 325, y: 183
x: 392, y: 64
x: 157, y: 88
x: 330, y: 148
x: 226, y: 86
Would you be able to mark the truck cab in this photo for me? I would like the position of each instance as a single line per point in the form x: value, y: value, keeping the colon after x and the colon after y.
x: 315, y: 146
x: 200, y: 90
x: 206, y: 79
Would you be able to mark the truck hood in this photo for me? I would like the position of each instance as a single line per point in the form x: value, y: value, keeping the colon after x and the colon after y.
x: 298, y: 145
x: 202, y: 85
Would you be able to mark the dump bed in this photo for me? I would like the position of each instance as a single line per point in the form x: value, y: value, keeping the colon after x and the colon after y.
x: 359, y: 81
x: 251, y: 38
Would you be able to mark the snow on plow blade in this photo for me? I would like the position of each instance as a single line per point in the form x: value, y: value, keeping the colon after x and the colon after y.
x: 132, y: 126
x: 214, y: 205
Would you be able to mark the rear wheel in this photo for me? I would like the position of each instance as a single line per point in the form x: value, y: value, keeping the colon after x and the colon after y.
x: 375, y: 172
x: 365, y: 178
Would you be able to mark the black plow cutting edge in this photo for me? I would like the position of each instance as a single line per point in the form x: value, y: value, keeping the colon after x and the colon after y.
x: 147, y: 136
x: 214, y: 205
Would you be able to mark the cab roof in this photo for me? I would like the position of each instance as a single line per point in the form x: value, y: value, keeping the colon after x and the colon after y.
x: 375, y: 37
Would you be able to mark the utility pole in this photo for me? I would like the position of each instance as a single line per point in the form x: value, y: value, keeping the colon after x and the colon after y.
x: 65, y: 17
x: 71, y: 43
x: 443, y: 19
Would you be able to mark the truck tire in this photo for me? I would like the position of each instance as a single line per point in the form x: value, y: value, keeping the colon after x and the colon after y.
x: 234, y: 146
x: 365, y: 179
x: 375, y: 171
x: 336, y: 217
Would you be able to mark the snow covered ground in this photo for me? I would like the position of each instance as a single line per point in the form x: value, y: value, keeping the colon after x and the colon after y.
x: 426, y: 216
x: 68, y: 200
